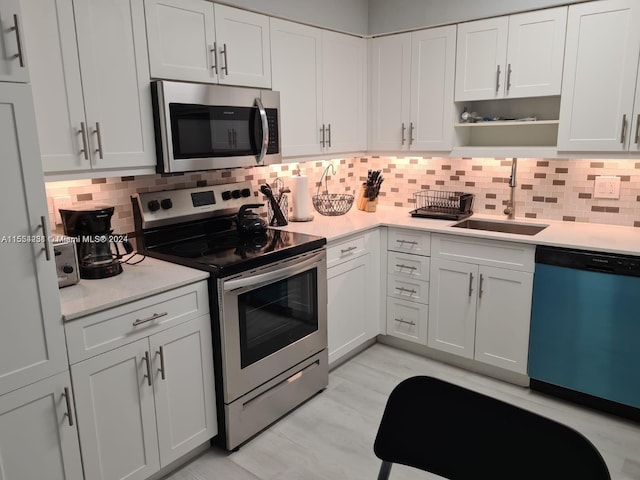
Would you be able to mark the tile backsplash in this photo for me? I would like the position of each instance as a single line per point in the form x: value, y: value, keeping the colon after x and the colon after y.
x: 546, y: 189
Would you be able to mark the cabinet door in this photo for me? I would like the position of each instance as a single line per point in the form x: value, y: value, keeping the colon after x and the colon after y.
x: 37, y: 437
x: 115, y: 78
x: 32, y: 344
x: 181, y: 40
x: 535, y: 53
x: 634, y: 139
x: 407, y: 320
x: 57, y: 86
x: 244, y: 55
x: 598, y: 86
x: 480, y: 58
x: 296, y: 57
x: 116, y: 416
x: 502, y: 324
x: 344, y: 91
x: 349, y: 309
x: 184, y: 388
x: 13, y: 61
x: 390, y: 81
x: 432, y: 77
x: 452, y: 306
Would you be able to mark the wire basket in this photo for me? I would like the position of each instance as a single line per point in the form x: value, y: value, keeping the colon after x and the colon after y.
x: 331, y: 204
x: 443, y: 204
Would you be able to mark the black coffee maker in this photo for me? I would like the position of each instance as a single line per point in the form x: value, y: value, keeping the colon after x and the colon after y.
x: 91, y: 227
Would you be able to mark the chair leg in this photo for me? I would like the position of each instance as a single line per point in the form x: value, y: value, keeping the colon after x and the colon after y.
x: 385, y: 470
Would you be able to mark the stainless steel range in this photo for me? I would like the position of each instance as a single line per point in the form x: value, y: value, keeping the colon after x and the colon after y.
x: 268, y: 299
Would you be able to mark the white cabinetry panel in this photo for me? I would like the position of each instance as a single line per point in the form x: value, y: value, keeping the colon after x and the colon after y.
x: 13, y: 61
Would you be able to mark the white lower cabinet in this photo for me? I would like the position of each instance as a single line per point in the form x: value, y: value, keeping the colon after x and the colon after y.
x: 352, y: 292
x: 479, y: 310
x: 408, y: 284
x: 38, y: 437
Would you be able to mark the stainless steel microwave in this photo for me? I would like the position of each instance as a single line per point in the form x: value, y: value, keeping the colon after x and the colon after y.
x: 205, y: 127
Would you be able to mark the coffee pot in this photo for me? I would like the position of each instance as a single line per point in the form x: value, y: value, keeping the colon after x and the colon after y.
x: 91, y: 228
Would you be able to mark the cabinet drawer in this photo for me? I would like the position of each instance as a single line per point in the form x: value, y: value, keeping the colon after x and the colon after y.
x: 346, y: 250
x: 407, y: 265
x: 109, y: 329
x: 410, y: 241
x: 408, y: 289
x: 407, y: 320
x: 493, y: 253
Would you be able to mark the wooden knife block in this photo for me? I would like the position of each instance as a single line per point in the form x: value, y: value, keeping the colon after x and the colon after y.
x: 363, y: 203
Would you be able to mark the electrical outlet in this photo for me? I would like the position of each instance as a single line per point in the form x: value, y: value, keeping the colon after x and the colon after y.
x: 607, y: 186
x: 63, y: 201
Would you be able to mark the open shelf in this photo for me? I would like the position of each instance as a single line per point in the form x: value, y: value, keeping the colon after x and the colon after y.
x: 510, y: 123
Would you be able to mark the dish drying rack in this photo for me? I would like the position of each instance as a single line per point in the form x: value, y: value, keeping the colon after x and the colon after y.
x: 442, y: 204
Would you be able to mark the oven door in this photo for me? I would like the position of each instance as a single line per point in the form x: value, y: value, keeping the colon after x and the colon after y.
x: 271, y: 319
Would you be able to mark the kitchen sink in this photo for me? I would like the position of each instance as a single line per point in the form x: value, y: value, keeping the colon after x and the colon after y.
x: 504, y: 227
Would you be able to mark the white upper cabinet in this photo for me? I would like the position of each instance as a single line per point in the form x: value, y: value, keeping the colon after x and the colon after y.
x: 13, y: 60
x: 603, y: 44
x: 195, y: 40
x: 412, y: 79
x: 90, y: 81
x: 510, y: 57
x: 32, y: 343
x: 321, y: 79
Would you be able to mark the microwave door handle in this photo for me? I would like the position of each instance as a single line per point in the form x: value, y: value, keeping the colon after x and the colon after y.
x: 265, y: 131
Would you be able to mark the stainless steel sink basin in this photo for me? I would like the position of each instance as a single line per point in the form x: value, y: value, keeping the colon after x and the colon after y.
x: 504, y: 227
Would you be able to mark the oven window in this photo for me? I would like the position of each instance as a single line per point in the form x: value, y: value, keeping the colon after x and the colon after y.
x: 277, y: 315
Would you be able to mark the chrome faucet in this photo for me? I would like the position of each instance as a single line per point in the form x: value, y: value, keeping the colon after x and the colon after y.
x: 510, y: 210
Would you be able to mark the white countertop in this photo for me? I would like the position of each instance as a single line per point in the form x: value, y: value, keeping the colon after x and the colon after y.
x: 147, y: 278
x: 584, y: 236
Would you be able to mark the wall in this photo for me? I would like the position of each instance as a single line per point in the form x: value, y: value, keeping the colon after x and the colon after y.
x: 350, y: 16
x: 547, y: 189
x: 387, y: 16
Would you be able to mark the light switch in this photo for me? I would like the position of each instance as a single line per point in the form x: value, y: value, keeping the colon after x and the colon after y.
x: 607, y: 186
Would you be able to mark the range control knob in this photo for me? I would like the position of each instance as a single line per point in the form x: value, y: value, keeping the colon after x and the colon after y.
x: 166, y: 203
x: 226, y: 195
x: 235, y: 193
x: 67, y: 269
x: 153, y: 205
x: 246, y: 192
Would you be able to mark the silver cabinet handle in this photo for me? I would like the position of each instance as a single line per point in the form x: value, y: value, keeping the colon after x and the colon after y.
x: 470, y: 283
x: 214, y: 58
x: 403, y: 289
x: 265, y: 131
x: 498, y: 79
x: 323, y: 136
x: 402, y: 266
x: 97, y: 132
x: 401, y: 320
x: 347, y: 250
x: 147, y: 361
x: 45, y: 234
x: 508, y: 77
x: 410, y: 242
x: 637, y: 136
x: 69, y: 412
x: 411, y: 127
x: 161, y: 369
x: 480, y: 286
x: 85, y: 141
x: 153, y: 317
x: 225, y: 67
x: 623, y: 133
x: 329, y: 135
x: 403, y: 129
x: 16, y: 28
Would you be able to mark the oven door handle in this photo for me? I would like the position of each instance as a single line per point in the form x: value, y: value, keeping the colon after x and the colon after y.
x: 265, y: 131
x: 275, y: 275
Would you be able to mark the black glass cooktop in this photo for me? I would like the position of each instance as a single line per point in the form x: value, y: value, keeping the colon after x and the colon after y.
x: 230, y: 252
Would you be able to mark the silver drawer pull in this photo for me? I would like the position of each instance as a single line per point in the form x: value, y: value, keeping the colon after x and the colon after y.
x: 161, y: 369
x: 69, y: 412
x: 347, y: 250
x: 402, y: 266
x: 410, y: 242
x: 404, y: 321
x: 402, y: 289
x: 16, y: 28
x: 150, y: 319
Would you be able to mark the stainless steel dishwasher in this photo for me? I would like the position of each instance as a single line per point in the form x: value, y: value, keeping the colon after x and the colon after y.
x: 585, y: 328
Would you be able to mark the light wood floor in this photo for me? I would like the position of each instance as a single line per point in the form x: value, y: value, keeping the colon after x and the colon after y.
x: 331, y: 436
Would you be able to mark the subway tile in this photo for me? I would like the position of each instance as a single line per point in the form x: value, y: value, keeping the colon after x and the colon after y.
x: 596, y: 165
x: 562, y: 170
x: 584, y: 195
x: 83, y: 197
x: 568, y: 218
x: 542, y: 163
x: 530, y: 215
x: 559, y: 182
x: 95, y: 181
x: 525, y: 186
x: 539, y: 175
